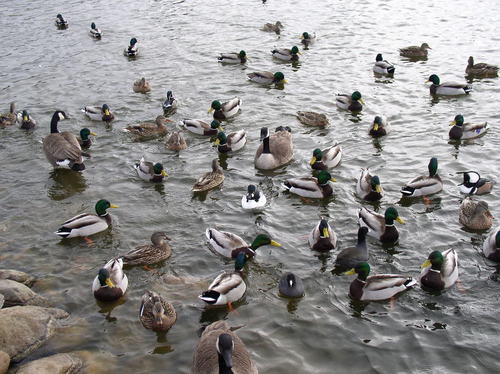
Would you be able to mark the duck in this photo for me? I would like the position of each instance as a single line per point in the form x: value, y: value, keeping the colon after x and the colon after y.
x: 327, y: 158
x: 233, y: 57
x: 141, y: 86
x: 322, y: 237
x: 96, y: 113
x: 381, y: 226
x: 440, y: 270
x: 491, y: 246
x: 220, y: 350
x: 62, y: 148
x: 254, y: 199
x: 148, y: 254
x: 312, y: 187
x: 313, y: 119
x: 276, y: 150
x: 307, y: 39
x: 475, y: 214
x: 7, y: 119
x: 84, y: 140
x: 448, y: 88
x: 415, y: 51
x: 156, y: 313
x: 225, y: 110
x: 379, y: 127
x: 227, y: 288
x: 354, y: 102
x: 273, y: 27
x: 149, y: 129
x: 94, y: 31
x: 229, y: 245
x: 368, y: 187
x: 111, y: 283
x: 150, y: 172
x: 232, y: 142
x: 377, y: 287
x: 266, y: 77
x: 199, y: 127
x: 133, y: 49
x: 285, y: 54
x: 60, y: 22
x: 461, y: 130
x: 424, y: 185
x: 290, y: 285
x: 351, y: 256
x: 170, y: 104
x: 211, y: 179
x: 176, y: 141
x: 480, y: 69
x: 382, y: 66
x: 87, y: 224
x: 473, y: 184
x: 27, y: 122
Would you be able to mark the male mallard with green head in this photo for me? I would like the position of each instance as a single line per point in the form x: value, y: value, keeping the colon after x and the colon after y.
x: 85, y: 141
x: 228, y: 109
x: 463, y: 131
x: 197, y: 126
x: 424, y: 184
x: 133, y: 48
x: 285, y: 54
x: 232, y: 142
x: 322, y: 237
x: 381, y: 226
x: 327, y: 158
x: 368, y: 187
x: 352, y: 102
x: 440, y: 270
x: 27, y: 122
x: 96, y: 113
x: 111, y: 283
x: 312, y: 187
x: 233, y: 58
x: 266, y: 77
x: 447, y: 88
x: 382, y: 66
x: 379, y: 127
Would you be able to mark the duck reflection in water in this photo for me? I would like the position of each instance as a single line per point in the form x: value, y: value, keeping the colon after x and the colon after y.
x: 107, y: 307
x: 64, y: 183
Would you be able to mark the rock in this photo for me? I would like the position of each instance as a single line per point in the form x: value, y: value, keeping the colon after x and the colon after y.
x: 17, y: 276
x: 16, y: 293
x: 1, y: 300
x: 62, y: 363
x: 25, y: 328
x: 4, y: 362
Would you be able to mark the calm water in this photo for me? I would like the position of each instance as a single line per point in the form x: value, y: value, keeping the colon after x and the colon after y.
x: 44, y: 69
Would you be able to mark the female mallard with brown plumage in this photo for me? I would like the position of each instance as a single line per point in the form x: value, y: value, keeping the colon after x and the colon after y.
x: 415, y: 51
x: 176, y: 141
x: 141, y: 86
x: 475, y: 214
x: 461, y: 130
x: 276, y: 150
x: 381, y: 226
x: 7, y: 119
x: 148, y: 254
x: 111, y: 283
x: 211, y: 179
x: 149, y: 129
x: 440, y: 270
x: 156, y: 313
x: 273, y: 27
x: 322, y: 237
x: 313, y: 119
x: 313, y: 187
x: 368, y: 187
x: 480, y: 69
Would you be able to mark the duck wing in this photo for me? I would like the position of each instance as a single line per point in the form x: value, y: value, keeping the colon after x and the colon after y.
x: 373, y: 221
x: 231, y: 104
x: 225, y: 239
x: 449, y: 269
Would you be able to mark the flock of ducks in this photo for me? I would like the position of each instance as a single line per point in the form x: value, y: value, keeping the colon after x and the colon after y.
x: 219, y: 349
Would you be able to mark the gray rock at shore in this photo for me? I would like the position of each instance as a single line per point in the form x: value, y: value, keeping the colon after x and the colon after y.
x: 4, y: 362
x: 2, y: 299
x: 61, y: 363
x: 17, y: 276
x: 16, y: 293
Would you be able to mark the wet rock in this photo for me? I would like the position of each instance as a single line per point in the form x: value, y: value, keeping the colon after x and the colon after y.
x: 62, y: 363
x: 25, y: 328
x: 18, y: 276
x: 4, y: 362
x: 16, y: 293
x: 1, y: 300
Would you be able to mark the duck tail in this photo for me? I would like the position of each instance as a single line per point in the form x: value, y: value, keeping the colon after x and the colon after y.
x: 407, y: 191
x: 63, y: 232
x: 391, y: 69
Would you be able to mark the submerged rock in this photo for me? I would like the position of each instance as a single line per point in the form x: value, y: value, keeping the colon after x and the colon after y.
x: 16, y: 293
x: 62, y: 363
x: 18, y: 276
x: 4, y: 362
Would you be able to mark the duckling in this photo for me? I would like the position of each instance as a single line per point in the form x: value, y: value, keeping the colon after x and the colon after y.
x: 327, y: 158
x: 352, y: 256
x: 149, y: 172
x: 381, y: 226
x: 84, y: 140
x: 233, y: 58
x: 270, y: 27
x: 61, y: 23
x: 377, y: 287
x: 382, y: 66
x: 276, y: 150
x: 380, y: 127
x: 254, y: 199
x: 291, y: 286
x: 313, y: 119
x: 354, y: 103
x: 440, y: 270
x: 448, y: 88
x: 27, y: 122
x: 170, y: 104
x: 491, y: 246
x: 286, y: 54
x: 197, y: 126
x: 211, y: 179
x: 424, y: 185
x: 232, y: 142
x: 7, y: 119
x: 480, y: 69
x: 94, y: 31
x: 368, y: 187
x: 149, y: 254
x: 415, y: 51
x: 266, y: 77
x: 141, y: 86
x: 475, y: 185
x: 311, y: 187
x: 225, y: 110
x: 156, y: 313
x: 475, y: 215
x: 111, y: 283
x: 133, y: 49
x: 307, y: 39
x: 176, y: 141
x: 149, y: 129
x: 96, y: 113
x: 322, y: 237
x: 461, y: 130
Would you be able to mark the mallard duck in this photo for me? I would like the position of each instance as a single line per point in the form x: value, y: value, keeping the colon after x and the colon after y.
x: 156, y: 313
x: 379, y: 127
x: 221, y: 351
x: 327, y: 158
x: 84, y: 141
x: 354, y: 102
x: 149, y: 172
x: 233, y: 58
x: 87, y: 224
x: 96, y: 113
x: 62, y: 148
x: 273, y: 27
x: 447, y: 88
x: 225, y: 110
x: 94, y: 31
x: 27, y: 122
x: 211, y: 179
x: 377, y: 287
x: 440, y: 270
x: 266, y: 77
x: 307, y: 39
x: 424, y: 185
x: 176, y: 141
x: 475, y: 214
x: 149, y: 129
x: 368, y: 187
x: 229, y: 245
x: 285, y: 54
x: 415, y: 51
x: 276, y: 150
x: 60, y: 22
x: 133, y: 49
x: 461, y: 130
x: 312, y: 187
x: 313, y: 119
x: 7, y: 119
x: 227, y: 288
x: 111, y: 283
x: 170, y: 104
x: 322, y: 237
x: 480, y: 69
x: 232, y: 142
x: 382, y: 66
x: 291, y: 285
x: 475, y: 185
x: 254, y: 199
x: 197, y: 126
x: 149, y: 254
x: 491, y: 246
x: 352, y: 256
x: 141, y: 86
x: 381, y: 226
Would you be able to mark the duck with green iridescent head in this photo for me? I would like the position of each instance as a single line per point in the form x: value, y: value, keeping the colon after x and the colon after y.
x: 199, y: 127
x: 425, y: 184
x: 61, y: 23
x: 312, y: 187
x: 27, y: 122
x: 491, y: 246
x: 327, y: 158
x: 133, y: 49
x: 225, y: 110
x: 368, y: 187
x: 352, y: 102
x: 307, y: 39
x: 111, y: 283
x: 440, y: 270
x: 94, y: 31
x: 381, y: 226
x: 84, y: 140
x: 233, y: 58
x: 464, y: 131
x: 150, y: 172
x: 285, y: 54
x: 322, y: 237
x: 383, y: 67
x: 96, y: 113
x: 447, y: 88
x: 232, y: 142
x: 266, y: 77
x: 379, y: 127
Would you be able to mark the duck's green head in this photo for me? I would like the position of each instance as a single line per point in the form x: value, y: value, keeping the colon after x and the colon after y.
x: 216, y: 125
x: 434, y: 79
x: 25, y: 115
x: 225, y: 347
x: 435, y: 259
x: 391, y: 215
x: 362, y: 269
x: 458, y: 121
x: 375, y: 184
x: 294, y: 50
x: 323, y: 229
x: 216, y: 105
x: 105, y: 109
x: 379, y: 57
x: 497, y: 240
x: 158, y: 169
x: 102, y: 205
x: 60, y: 17
x: 240, y: 261
x: 324, y: 177
x: 85, y: 133
x: 377, y: 122
x: 433, y: 166
x: 242, y: 54
x: 104, y: 278
x: 263, y: 239
x: 93, y: 26
x: 133, y: 41
x: 279, y: 77
x: 317, y: 155
x: 305, y: 35
x: 356, y: 96
x: 221, y: 138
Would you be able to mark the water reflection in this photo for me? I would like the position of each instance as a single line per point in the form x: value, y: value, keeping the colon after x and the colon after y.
x: 107, y: 307
x: 64, y: 183
x: 358, y: 307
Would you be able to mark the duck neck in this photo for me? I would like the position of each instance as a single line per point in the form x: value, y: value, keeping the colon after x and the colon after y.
x: 265, y: 145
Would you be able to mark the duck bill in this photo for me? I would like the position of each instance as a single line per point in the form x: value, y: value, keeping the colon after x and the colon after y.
x: 426, y: 264
x: 350, y: 272
x: 313, y: 161
x: 164, y: 173
x: 284, y: 81
x: 109, y: 283
x: 400, y: 220
x: 375, y: 127
x: 333, y: 180
x: 25, y: 118
x: 275, y: 244
x: 210, y: 110
x: 114, y: 206
x: 378, y: 189
x: 362, y: 101
x: 93, y: 133
x: 326, y: 234
x: 217, y: 141
x: 453, y: 123
x: 106, y: 112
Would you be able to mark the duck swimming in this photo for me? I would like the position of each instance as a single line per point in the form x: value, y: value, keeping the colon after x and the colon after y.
x: 284, y: 54
x: 111, y: 283
x: 254, y: 199
x: 150, y: 172
x: 440, y: 270
x: 211, y: 179
x: 447, y: 88
x: 383, y: 67
x: 133, y: 49
x: 463, y: 131
x: 352, y: 102
x: 322, y: 237
x: 60, y: 22
x: 475, y: 214
x: 266, y: 77
x: 141, y: 86
x: 156, y: 313
x: 381, y: 226
x: 473, y: 184
x: 424, y: 185
x: 96, y: 113
x: 94, y: 31
x: 414, y: 51
x: 225, y: 110
x: 379, y: 127
x: 233, y: 58
x: 480, y: 69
